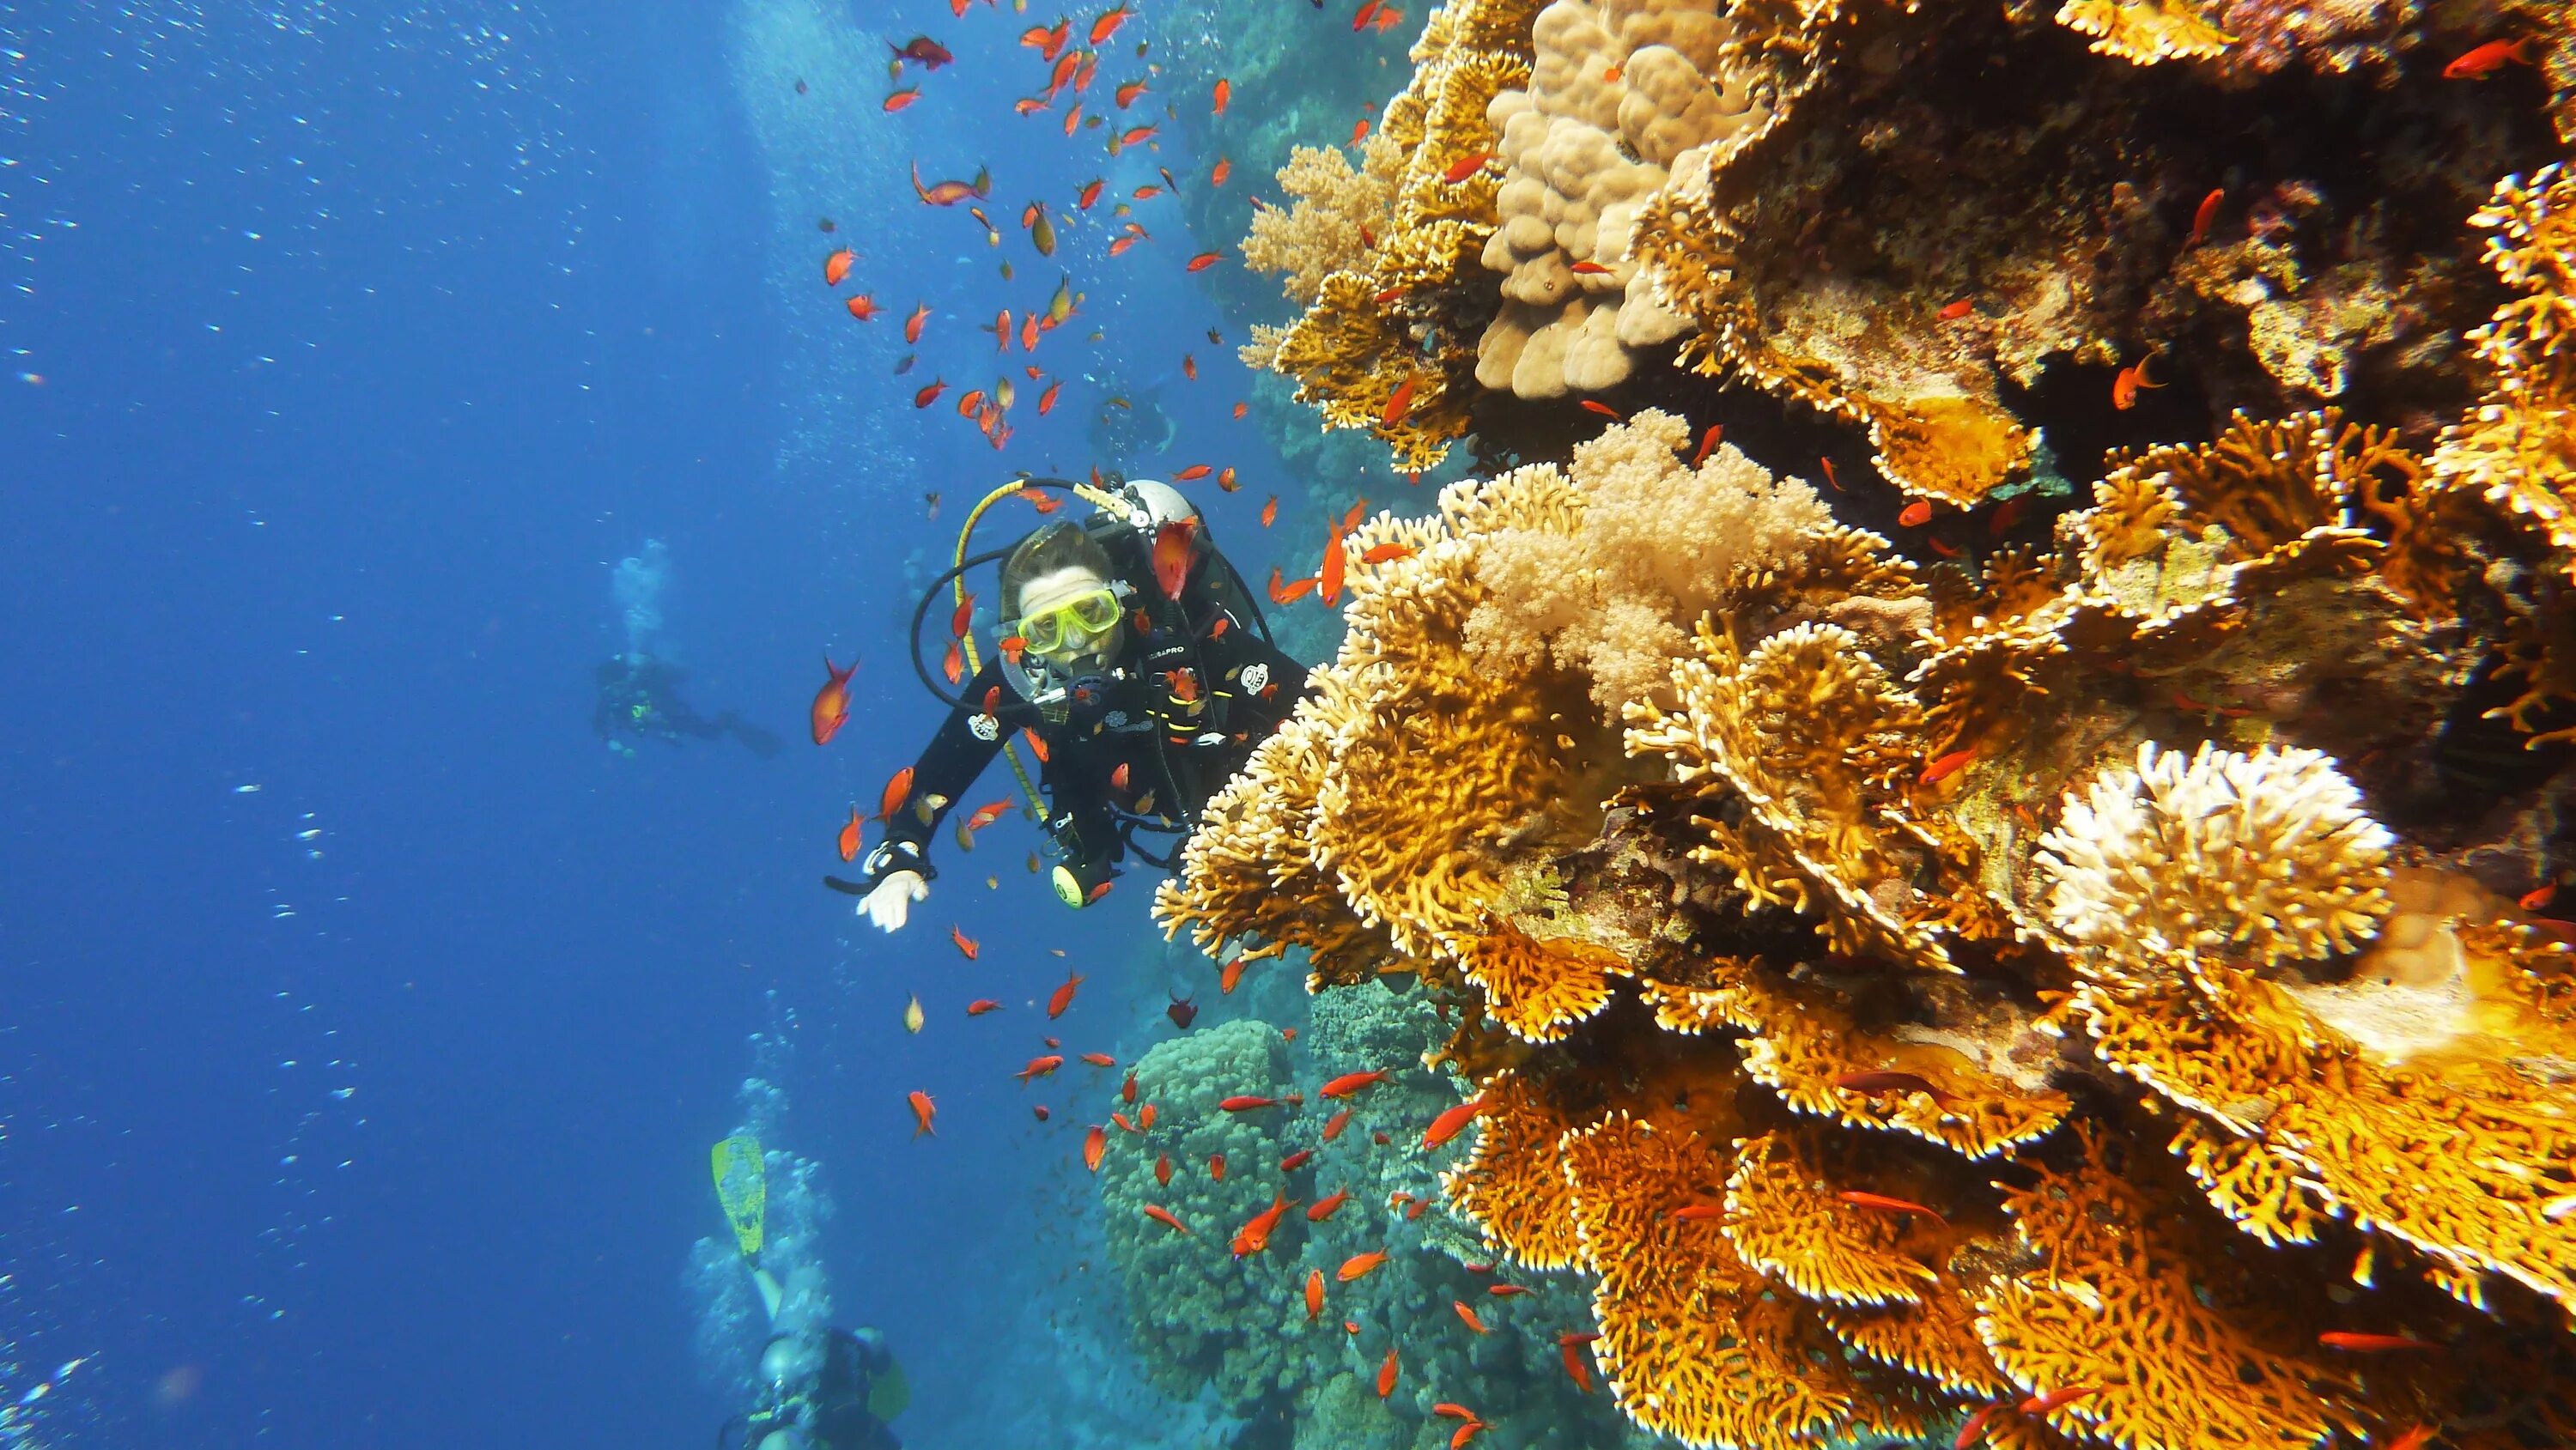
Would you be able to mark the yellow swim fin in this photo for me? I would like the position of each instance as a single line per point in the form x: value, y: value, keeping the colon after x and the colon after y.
x: 891, y: 1392
x: 743, y: 1188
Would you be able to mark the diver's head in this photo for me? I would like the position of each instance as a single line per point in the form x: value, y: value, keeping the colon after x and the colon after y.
x: 792, y: 1359
x: 1056, y: 595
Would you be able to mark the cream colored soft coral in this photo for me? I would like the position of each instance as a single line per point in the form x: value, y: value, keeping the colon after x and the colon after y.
x: 1324, y: 230
x: 2261, y: 858
x: 1618, y: 92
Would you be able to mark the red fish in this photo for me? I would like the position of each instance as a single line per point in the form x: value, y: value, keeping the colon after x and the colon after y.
x: 923, y: 1109
x: 1127, y: 1089
x: 2202, y: 216
x: 1046, y: 400
x: 863, y: 307
x: 964, y: 617
x: 930, y: 394
x: 1508, y: 1291
x: 946, y: 193
x: 850, y: 837
x: 1090, y: 193
x: 982, y: 1005
x: 1604, y: 409
x: 1182, y: 1012
x: 1219, y: 172
x: 953, y: 665
x: 1291, y: 592
x: 1881, y: 1203
x: 1334, y: 1125
x: 1698, y: 1212
x: 1296, y: 1160
x: 1099, y: 1059
x: 1398, y: 404
x: 1037, y: 743
x: 1190, y: 361
x: 923, y: 50
x: 1216, y: 1167
x: 897, y: 788
x: 832, y: 702
x: 1191, y: 474
x: 1225, y: 479
x: 1948, y: 765
x: 1108, y: 23
x: 1314, y: 1294
x: 2372, y: 1343
x: 1892, y: 1082
x: 1570, y: 1346
x: 1029, y: 332
x: 2414, y: 1439
x: 1916, y: 514
x: 1385, y: 1375
x: 1063, y: 997
x: 2125, y: 384
x: 1388, y: 17
x: 837, y: 266
x: 1449, y: 1124
x: 1041, y: 1066
x: 1172, y: 544
x: 965, y: 944
x: 1325, y: 1208
x: 1202, y: 262
x: 2538, y: 897
x: 2487, y: 59
x: 1163, y: 1216
x: 970, y: 404
x: 1126, y: 95
x: 1328, y: 580
x: 1358, y: 1266
x: 1366, y: 13
x: 1350, y: 1083
x: 1145, y: 1118
x: 912, y: 324
x: 1958, y: 309
x: 1708, y: 443
x: 903, y: 98
x: 1246, y: 1102
x: 1970, y: 1432
x: 2042, y: 1404
x: 1383, y: 553
x: 1118, y: 777
x: 1254, y: 1236
x: 1163, y: 1170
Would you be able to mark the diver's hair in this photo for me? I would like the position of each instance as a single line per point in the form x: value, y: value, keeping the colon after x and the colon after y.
x: 1060, y: 545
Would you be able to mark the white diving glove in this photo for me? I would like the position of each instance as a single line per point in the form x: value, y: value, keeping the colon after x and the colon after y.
x: 891, y: 902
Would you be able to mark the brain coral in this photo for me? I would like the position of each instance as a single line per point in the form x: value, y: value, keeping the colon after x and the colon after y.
x: 1961, y: 985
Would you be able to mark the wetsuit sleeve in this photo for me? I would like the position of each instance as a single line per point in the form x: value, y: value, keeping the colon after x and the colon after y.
x: 1260, y: 682
x: 948, y: 767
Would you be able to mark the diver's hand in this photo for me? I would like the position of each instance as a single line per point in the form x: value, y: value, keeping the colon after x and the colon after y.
x: 891, y: 902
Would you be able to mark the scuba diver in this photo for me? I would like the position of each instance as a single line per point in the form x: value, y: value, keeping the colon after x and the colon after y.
x: 640, y: 697
x: 823, y: 1387
x: 1133, y: 657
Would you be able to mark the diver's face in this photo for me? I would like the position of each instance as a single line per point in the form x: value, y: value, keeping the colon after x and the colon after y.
x: 1054, y: 590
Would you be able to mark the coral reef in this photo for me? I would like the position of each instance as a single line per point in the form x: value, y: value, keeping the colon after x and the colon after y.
x: 1910, y: 220
x: 2083, y: 989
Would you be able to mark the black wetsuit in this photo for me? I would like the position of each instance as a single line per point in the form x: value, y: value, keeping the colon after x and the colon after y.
x: 1180, y: 709
x: 832, y: 1412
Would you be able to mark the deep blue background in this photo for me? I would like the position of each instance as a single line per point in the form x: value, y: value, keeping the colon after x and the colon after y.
x: 340, y: 357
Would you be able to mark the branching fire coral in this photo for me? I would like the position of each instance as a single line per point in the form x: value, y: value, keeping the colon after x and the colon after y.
x: 2052, y: 983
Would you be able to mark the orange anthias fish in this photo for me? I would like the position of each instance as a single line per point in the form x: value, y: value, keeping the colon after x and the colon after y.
x: 1884, y: 1081
x: 1328, y: 580
x: 1466, y: 166
x: 987, y: 813
x: 1948, y: 765
x: 1916, y: 514
x: 2054, y: 1399
x: 923, y: 1109
x: 1881, y: 1203
x: 1046, y: 400
x: 1063, y: 997
x: 850, y: 837
x: 837, y: 266
x: 1163, y: 1170
x: 1172, y: 555
x: 2372, y: 1343
x: 1095, y: 1145
x: 1043, y: 1065
x: 1163, y: 1216
x: 953, y: 665
x: 982, y: 1005
x: 1571, y: 1347
x: 832, y: 702
x: 1399, y: 404
x: 1138, y: 134
x: 863, y: 307
x: 1708, y: 443
x: 1958, y: 309
x: 1191, y: 474
x: 1291, y: 591
x: 912, y: 324
x: 1314, y: 1294
x: 2487, y: 59
x: 1216, y: 1167
x: 1351, y: 1083
x: 1145, y: 1118
x: 1334, y: 1125
x: 2202, y: 216
x: 1247, y: 1102
x: 898, y: 788
x: 2125, y: 384
x: 1385, y: 553
x: 1190, y: 361
x: 1126, y: 95
x: 965, y: 944
x: 1218, y: 173
x: 1099, y: 1059
x: 903, y: 98
x: 930, y: 394
x: 1254, y: 1236
x: 1388, y: 17
x: 1203, y: 261
x: 1270, y: 511
x: 1357, y: 1266
x: 1324, y: 1208
x: 1108, y: 23
x: 1451, y: 1123
x: 1089, y: 194
x: 1386, y: 1376
x: 1225, y: 479
x: 1296, y: 1160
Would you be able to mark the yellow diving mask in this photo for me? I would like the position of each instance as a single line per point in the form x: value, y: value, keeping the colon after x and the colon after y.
x: 1072, y: 624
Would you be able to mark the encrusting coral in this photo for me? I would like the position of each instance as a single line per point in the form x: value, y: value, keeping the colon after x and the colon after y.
x: 2058, y: 991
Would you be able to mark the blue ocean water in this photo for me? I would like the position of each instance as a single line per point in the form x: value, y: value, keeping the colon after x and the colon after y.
x: 364, y: 1023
